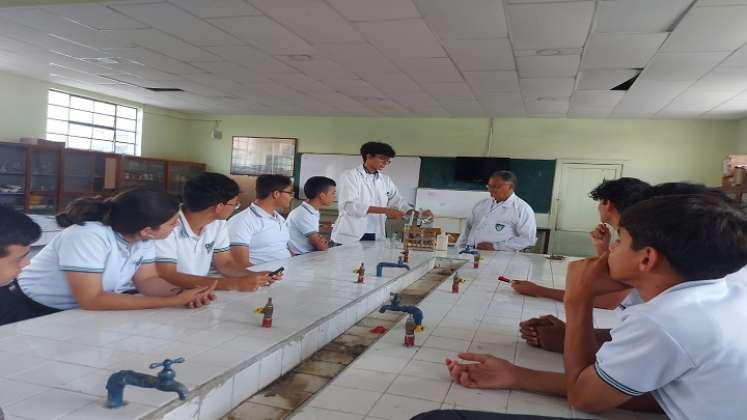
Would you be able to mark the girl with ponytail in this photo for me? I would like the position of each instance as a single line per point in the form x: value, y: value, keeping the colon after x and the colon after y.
x: 103, y: 257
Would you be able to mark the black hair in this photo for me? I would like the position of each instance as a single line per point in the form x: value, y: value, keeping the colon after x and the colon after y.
x: 266, y: 184
x: 701, y: 235
x: 208, y: 189
x: 317, y: 185
x: 16, y: 229
x: 621, y: 192
x: 684, y: 188
x: 377, y: 148
x: 127, y: 213
x: 505, y: 176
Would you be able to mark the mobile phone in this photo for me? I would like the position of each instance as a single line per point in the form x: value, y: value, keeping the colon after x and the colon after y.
x: 278, y: 271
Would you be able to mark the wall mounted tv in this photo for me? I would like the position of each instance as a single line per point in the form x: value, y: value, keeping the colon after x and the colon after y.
x: 479, y: 169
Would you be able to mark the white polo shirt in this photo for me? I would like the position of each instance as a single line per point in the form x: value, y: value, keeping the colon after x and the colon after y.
x: 687, y: 346
x: 90, y: 248
x: 509, y: 225
x: 266, y: 235
x: 303, y: 221
x: 193, y: 253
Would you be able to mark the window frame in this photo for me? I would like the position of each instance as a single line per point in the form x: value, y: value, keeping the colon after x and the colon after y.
x: 292, y: 141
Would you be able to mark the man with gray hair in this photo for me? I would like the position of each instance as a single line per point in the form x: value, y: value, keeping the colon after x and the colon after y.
x: 503, y: 222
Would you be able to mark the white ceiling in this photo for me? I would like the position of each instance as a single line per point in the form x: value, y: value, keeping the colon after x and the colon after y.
x: 473, y: 58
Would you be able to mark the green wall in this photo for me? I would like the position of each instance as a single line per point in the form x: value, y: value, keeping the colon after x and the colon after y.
x: 655, y: 150
x: 23, y: 113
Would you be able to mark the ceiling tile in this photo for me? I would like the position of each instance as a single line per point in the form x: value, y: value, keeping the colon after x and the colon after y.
x: 252, y: 58
x: 363, y: 59
x: 425, y: 70
x: 493, y: 81
x: 43, y: 20
x: 12, y: 45
x: 95, y: 16
x: 155, y: 60
x: 596, y: 98
x: 619, y: 51
x: 697, y: 100
x: 604, y: 79
x: 588, y: 112
x: 549, y: 87
x: 217, y: 8
x: 416, y: 100
x: 647, y: 97
x: 264, y: 34
x: 302, y: 83
x: 393, y: 83
x: 409, y: 38
x: 313, y: 20
x: 173, y: 20
x: 641, y: 16
x: 549, y: 25
x: 502, y: 104
x: 321, y: 69
x: 481, y: 54
x: 471, y: 108
x: 229, y: 70
x: 737, y: 59
x: 341, y: 101
x: 449, y: 91
x: 548, y: 66
x: 549, y: 106
x: 355, y: 88
x: 364, y: 10
x: 682, y: 66
x: 709, y: 29
x: 464, y: 19
x: 162, y: 43
x: 723, y: 79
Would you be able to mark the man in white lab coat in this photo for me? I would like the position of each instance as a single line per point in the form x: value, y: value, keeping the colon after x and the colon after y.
x: 503, y: 222
x: 366, y: 198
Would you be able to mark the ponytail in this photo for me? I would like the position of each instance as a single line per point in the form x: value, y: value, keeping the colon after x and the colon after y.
x: 127, y: 213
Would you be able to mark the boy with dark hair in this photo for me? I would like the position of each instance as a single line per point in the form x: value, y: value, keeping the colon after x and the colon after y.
x: 682, y: 349
x: 368, y: 197
x: 201, y: 239
x: 613, y: 196
x: 259, y: 234
x: 17, y: 233
x: 303, y: 221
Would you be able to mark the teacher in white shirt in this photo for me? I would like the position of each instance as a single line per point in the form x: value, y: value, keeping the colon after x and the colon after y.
x: 503, y: 222
x: 367, y: 197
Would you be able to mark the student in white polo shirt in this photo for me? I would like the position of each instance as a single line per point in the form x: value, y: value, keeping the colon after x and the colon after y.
x: 17, y: 233
x: 682, y: 349
x: 103, y: 256
x: 303, y: 221
x: 503, y: 222
x: 259, y: 234
x: 201, y: 239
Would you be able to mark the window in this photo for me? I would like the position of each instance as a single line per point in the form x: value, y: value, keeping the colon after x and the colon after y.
x: 262, y: 155
x: 84, y: 123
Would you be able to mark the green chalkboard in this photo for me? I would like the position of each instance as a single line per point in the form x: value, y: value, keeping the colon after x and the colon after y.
x: 535, y: 177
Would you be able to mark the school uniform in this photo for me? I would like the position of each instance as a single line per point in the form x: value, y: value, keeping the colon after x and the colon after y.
x: 88, y: 248
x: 686, y: 346
x: 357, y: 190
x: 509, y: 225
x: 303, y: 221
x: 266, y: 235
x: 192, y: 253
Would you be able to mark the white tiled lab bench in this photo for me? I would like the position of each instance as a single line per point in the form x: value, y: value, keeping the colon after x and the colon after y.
x: 390, y: 381
x: 56, y: 367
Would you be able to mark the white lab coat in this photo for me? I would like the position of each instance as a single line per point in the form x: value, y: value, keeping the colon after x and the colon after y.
x: 358, y: 190
x: 509, y: 225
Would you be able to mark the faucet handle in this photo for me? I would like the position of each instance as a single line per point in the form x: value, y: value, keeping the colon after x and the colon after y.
x: 167, y: 363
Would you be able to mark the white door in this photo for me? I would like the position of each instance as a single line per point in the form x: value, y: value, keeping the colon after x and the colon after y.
x: 577, y: 213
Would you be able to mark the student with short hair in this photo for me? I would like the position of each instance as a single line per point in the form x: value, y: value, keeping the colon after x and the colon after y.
x: 259, y: 234
x: 201, y: 239
x: 682, y: 349
x: 104, y: 254
x: 303, y: 221
x: 367, y: 197
x: 17, y: 233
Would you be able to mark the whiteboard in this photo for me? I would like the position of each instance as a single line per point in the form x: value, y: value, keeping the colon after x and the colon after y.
x: 449, y: 203
x: 404, y: 170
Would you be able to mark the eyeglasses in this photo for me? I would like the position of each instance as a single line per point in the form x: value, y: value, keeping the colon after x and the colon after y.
x: 286, y: 192
x: 236, y: 205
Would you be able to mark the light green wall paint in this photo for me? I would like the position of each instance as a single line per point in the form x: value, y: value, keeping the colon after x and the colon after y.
x: 23, y: 113
x: 742, y: 136
x: 655, y: 150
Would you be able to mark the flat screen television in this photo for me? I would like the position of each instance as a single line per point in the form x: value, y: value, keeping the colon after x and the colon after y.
x: 479, y: 169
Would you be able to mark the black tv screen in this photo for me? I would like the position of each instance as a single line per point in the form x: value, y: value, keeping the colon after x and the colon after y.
x: 478, y: 169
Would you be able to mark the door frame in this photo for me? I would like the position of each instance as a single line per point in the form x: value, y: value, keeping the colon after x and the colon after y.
x: 553, y: 217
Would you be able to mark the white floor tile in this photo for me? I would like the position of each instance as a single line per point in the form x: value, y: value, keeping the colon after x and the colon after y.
x: 427, y: 370
x: 337, y: 398
x: 380, y: 363
x: 12, y: 392
x: 368, y: 380
x: 412, y: 386
x: 51, y: 404
x: 444, y: 343
x: 478, y: 399
x: 313, y: 413
x: 394, y: 407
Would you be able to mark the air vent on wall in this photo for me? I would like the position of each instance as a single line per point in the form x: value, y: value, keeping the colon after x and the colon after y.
x: 625, y: 86
x: 157, y: 89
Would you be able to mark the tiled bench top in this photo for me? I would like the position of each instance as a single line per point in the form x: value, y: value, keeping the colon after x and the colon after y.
x: 56, y: 367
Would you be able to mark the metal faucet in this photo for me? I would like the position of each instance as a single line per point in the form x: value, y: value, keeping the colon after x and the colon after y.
x: 163, y: 382
x: 413, y: 310
x: 469, y: 250
x: 399, y: 264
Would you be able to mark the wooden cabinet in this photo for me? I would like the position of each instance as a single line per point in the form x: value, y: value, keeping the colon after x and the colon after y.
x: 13, y: 160
x: 177, y: 174
x: 142, y: 172
x: 43, y: 180
x: 88, y: 174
